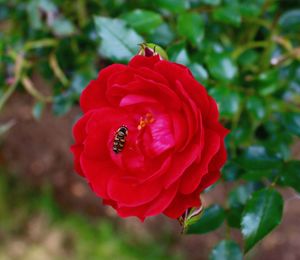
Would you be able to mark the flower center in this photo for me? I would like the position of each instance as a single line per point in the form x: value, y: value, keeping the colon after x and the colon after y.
x: 145, y: 120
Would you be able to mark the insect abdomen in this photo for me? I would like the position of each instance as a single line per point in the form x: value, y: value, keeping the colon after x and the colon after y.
x: 119, y: 140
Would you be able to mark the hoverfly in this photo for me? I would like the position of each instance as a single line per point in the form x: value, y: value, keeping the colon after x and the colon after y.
x: 119, y: 140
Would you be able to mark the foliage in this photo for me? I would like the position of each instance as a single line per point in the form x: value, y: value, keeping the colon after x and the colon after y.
x: 30, y: 216
x: 246, y: 53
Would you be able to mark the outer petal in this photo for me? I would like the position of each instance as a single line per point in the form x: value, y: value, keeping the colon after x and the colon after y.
x: 139, y: 61
x: 98, y: 174
x: 220, y: 158
x: 173, y: 72
x: 128, y: 192
x: 141, y: 86
x: 192, y: 115
x: 77, y: 151
x: 194, y: 174
x: 208, y: 179
x: 93, y: 96
x: 149, y: 74
x: 181, y: 203
x: 157, y: 206
x: 79, y: 134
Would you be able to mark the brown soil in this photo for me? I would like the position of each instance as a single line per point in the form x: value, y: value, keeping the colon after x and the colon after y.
x: 38, y: 153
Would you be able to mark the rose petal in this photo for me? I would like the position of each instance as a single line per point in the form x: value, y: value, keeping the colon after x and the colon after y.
x: 141, y: 86
x: 98, y: 129
x: 133, y: 99
x: 181, y: 161
x: 208, y: 179
x: 140, y: 61
x: 179, y: 129
x: 93, y: 96
x: 162, y: 135
x: 77, y: 151
x: 196, y: 91
x: 79, y: 132
x: 98, y: 174
x: 182, y: 203
x: 192, y: 115
x: 127, y: 191
x: 192, y: 177
x: 162, y: 201
x: 149, y: 74
x: 157, y: 206
x: 155, y: 168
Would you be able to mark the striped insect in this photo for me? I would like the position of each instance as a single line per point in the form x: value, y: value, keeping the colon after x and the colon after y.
x: 120, y: 138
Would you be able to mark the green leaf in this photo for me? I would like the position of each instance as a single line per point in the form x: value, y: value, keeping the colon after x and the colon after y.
x: 179, y: 54
x: 249, y: 9
x: 291, y: 121
x: 263, y: 212
x: 34, y: 15
x: 226, y: 250
x: 228, y: 15
x: 211, y: 2
x: 47, y: 6
x: 163, y: 35
x: 248, y: 59
x: 191, y: 26
x: 211, y: 219
x: 79, y: 81
x: 236, y: 201
x: 229, y: 101
x: 221, y: 66
x: 241, y: 134
x: 256, y: 107
x: 230, y: 172
x: 63, y: 27
x: 143, y: 21
x: 258, y: 158
x: 174, y: 6
x: 37, y: 110
x: 253, y: 175
x: 61, y: 104
x: 240, y: 195
x: 290, y: 21
x: 290, y: 175
x: 199, y: 72
x: 118, y: 42
x: 267, y: 82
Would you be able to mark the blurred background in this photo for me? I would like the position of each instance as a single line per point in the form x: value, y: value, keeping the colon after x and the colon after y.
x: 247, y: 54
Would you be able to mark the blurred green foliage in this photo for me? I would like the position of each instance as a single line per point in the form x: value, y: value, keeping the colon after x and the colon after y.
x: 30, y: 217
x: 246, y: 53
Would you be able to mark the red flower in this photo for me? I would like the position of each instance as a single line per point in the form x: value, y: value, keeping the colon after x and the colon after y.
x: 171, y: 147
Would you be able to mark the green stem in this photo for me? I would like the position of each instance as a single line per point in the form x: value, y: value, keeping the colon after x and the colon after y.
x: 18, y: 69
x: 39, y: 44
x: 81, y: 11
x: 227, y: 232
x: 250, y: 45
x: 29, y: 87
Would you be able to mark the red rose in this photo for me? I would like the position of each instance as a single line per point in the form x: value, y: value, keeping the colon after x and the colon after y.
x: 170, y: 147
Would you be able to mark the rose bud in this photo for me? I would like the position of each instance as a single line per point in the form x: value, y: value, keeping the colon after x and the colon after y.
x: 149, y: 140
x: 151, y: 49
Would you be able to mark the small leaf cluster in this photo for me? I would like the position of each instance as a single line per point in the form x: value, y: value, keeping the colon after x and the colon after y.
x: 246, y: 53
